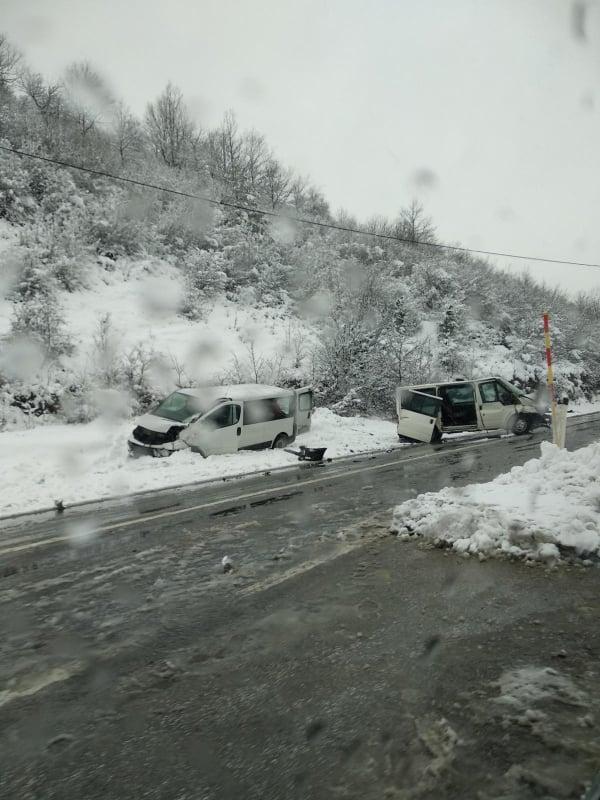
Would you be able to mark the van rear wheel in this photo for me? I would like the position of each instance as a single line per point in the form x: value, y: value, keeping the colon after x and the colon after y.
x: 280, y: 441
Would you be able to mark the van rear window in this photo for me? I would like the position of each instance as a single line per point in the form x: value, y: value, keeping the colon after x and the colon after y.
x: 419, y: 403
x: 305, y: 401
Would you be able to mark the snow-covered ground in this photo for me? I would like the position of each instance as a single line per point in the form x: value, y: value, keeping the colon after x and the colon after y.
x: 541, y: 511
x: 143, y: 299
x: 87, y: 462
x: 138, y: 303
x: 585, y: 406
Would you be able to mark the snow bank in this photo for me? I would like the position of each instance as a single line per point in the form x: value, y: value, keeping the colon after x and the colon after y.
x: 547, y: 508
x: 585, y: 406
x: 88, y: 462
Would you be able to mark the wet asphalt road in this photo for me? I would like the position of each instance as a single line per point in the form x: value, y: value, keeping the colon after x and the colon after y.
x: 333, y: 661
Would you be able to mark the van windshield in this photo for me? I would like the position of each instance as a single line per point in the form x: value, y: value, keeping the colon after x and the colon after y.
x: 512, y: 389
x: 179, y: 407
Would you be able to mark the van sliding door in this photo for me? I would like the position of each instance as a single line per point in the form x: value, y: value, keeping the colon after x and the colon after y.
x: 417, y: 414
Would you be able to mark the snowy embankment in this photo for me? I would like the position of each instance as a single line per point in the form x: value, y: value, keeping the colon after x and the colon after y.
x: 74, y: 463
x: 143, y: 300
x: 548, y: 508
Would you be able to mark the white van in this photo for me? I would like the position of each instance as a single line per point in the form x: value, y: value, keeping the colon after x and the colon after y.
x: 426, y: 412
x: 223, y: 419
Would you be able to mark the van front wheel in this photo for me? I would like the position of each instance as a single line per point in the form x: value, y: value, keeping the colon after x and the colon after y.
x: 521, y: 425
x: 280, y: 442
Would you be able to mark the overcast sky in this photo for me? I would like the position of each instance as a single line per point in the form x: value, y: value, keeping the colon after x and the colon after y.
x: 487, y: 111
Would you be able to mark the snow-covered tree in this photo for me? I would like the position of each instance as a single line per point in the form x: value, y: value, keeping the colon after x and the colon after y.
x: 204, y: 277
x: 10, y: 59
x: 414, y: 225
x: 170, y: 128
x: 127, y: 135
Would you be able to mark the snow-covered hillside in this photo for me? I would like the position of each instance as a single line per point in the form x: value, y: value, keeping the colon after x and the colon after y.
x: 143, y: 299
x: 234, y: 270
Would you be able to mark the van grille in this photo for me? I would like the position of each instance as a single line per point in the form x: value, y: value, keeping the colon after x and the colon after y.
x: 146, y: 436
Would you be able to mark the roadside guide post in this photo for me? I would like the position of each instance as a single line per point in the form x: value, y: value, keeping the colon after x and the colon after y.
x: 561, y: 423
x: 546, y: 317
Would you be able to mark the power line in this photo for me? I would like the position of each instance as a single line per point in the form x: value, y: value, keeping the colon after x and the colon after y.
x: 300, y: 220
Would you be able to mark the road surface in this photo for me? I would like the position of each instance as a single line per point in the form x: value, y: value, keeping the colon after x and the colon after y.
x: 332, y: 661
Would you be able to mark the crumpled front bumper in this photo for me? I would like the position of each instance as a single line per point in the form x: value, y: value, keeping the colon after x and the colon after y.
x: 137, y: 449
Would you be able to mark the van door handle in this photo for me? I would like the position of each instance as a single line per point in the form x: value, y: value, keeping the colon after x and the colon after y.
x: 239, y: 431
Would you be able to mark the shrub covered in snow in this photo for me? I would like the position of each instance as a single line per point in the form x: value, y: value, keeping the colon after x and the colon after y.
x: 113, y: 232
x: 36, y: 313
x: 16, y: 202
x: 204, y: 278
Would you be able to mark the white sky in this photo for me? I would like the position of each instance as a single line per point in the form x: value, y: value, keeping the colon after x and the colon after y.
x: 500, y: 100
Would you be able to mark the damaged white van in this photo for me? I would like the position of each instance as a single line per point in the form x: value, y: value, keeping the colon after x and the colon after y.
x: 223, y: 419
x: 426, y: 412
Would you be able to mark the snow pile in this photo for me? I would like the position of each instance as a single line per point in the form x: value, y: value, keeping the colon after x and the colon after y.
x: 90, y: 461
x: 547, y: 508
x: 526, y: 686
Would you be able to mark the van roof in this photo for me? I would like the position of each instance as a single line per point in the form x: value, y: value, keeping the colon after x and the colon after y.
x: 238, y: 391
x: 452, y: 382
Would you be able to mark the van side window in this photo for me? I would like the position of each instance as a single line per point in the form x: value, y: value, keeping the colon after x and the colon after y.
x: 458, y: 395
x: 223, y: 417
x: 488, y: 392
x: 282, y: 407
x: 419, y: 403
x: 256, y: 411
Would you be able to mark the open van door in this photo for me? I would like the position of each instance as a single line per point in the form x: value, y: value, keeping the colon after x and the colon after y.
x: 417, y: 414
x: 304, y: 407
x: 216, y: 432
